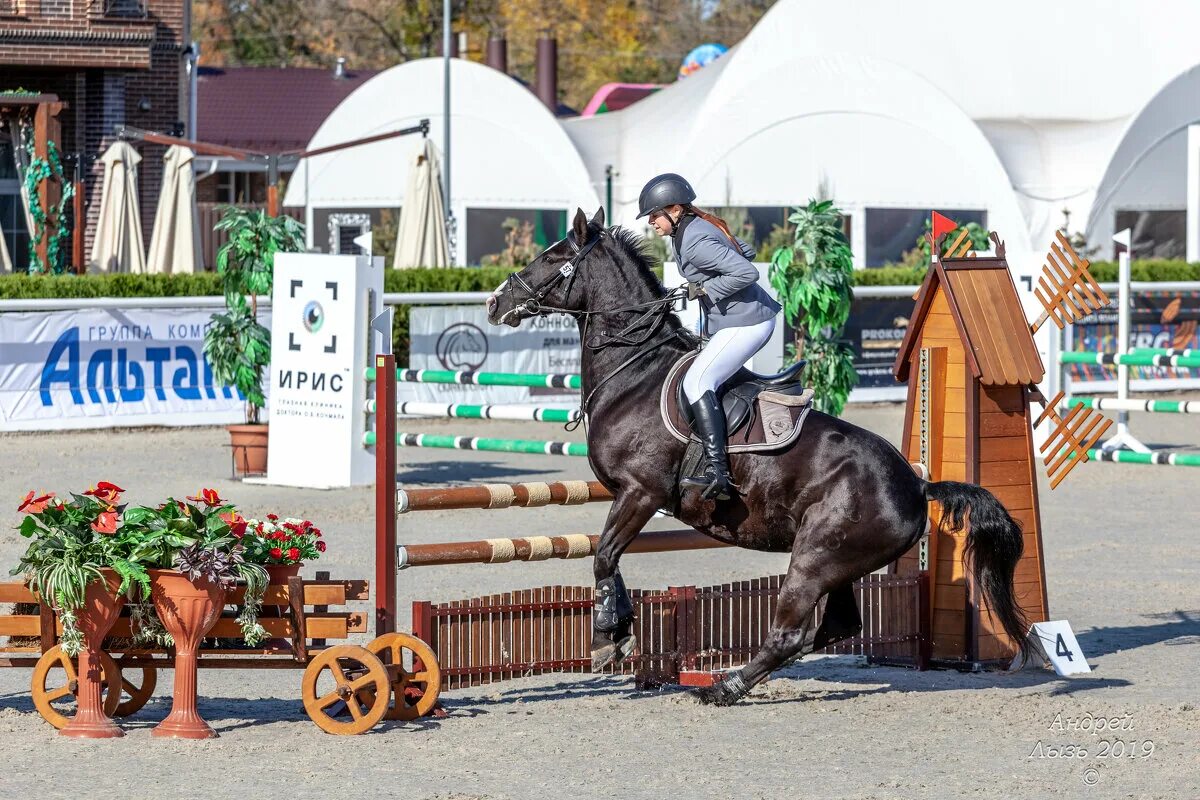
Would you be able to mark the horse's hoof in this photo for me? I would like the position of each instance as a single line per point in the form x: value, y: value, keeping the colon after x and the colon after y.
x: 612, y: 653
x: 725, y: 692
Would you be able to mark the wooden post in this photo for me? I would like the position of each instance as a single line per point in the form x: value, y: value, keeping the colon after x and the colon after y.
x: 80, y: 225
x: 46, y: 130
x: 385, y: 494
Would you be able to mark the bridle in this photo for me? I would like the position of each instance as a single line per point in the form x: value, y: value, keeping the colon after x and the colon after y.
x: 650, y: 321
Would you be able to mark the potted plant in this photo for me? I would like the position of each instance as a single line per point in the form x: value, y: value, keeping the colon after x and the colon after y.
x: 282, y: 545
x: 78, y: 564
x: 235, y: 344
x: 194, y: 553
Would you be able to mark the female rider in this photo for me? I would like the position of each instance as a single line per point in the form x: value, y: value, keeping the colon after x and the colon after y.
x: 740, y: 315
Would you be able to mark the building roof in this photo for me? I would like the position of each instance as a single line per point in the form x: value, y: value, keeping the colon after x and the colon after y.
x: 987, y: 312
x: 268, y: 109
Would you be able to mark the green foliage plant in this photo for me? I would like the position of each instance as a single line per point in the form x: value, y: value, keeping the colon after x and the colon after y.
x: 813, y: 279
x: 236, y: 345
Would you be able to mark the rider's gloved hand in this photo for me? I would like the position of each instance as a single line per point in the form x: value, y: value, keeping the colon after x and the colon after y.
x: 694, y: 290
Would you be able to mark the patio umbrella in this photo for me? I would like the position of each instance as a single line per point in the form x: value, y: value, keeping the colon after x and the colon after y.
x: 175, y: 242
x: 118, y: 244
x: 421, y: 238
x: 5, y: 260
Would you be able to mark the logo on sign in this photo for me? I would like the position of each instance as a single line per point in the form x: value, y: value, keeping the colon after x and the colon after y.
x: 462, y: 346
x: 313, y: 316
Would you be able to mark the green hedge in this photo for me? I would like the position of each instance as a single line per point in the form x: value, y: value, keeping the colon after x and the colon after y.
x: 463, y: 279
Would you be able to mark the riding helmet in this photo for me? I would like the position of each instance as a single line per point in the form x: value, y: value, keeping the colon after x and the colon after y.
x: 664, y: 190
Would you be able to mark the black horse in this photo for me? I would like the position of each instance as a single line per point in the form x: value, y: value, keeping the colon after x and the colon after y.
x: 843, y: 501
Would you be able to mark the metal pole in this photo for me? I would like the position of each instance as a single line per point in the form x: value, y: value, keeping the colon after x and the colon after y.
x: 1124, y: 439
x: 608, y: 180
x: 446, y: 115
x: 193, y: 69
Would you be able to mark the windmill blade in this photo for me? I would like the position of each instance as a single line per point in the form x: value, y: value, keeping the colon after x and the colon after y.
x: 1066, y: 289
x: 1071, y: 438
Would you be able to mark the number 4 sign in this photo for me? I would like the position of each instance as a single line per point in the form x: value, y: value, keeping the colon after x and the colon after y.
x: 1056, y: 643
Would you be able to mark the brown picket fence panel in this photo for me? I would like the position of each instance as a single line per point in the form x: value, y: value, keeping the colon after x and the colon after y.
x: 534, y: 631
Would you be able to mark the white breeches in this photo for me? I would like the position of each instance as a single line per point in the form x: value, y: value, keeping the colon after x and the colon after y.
x: 727, y: 350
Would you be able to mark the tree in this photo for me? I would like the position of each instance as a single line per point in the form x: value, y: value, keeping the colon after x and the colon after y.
x: 813, y: 279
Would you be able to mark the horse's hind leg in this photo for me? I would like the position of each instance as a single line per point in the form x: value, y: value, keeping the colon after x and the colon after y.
x: 792, y: 634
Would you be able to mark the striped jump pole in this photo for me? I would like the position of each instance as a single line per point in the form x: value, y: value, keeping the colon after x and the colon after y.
x: 484, y: 444
x: 472, y: 378
x: 1164, y: 351
x: 1154, y: 457
x: 1150, y: 406
x: 541, y: 548
x: 501, y: 495
x: 1179, y: 361
x: 465, y: 411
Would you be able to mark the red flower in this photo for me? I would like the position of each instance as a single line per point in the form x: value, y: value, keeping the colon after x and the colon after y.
x: 236, y: 522
x: 294, y: 554
x: 272, y: 517
x: 259, y: 529
x: 35, y: 505
x: 105, y: 492
x: 106, y: 522
x: 276, y: 552
x: 182, y: 505
x: 320, y: 547
x: 207, y: 496
x: 317, y: 532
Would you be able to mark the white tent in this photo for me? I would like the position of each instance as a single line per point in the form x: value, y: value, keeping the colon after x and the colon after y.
x: 1054, y: 88
x: 118, y: 243
x: 175, y: 241
x: 421, y: 234
x: 509, y: 154
x: 749, y: 131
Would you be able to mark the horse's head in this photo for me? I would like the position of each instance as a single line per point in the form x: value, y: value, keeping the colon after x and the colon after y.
x: 550, y: 279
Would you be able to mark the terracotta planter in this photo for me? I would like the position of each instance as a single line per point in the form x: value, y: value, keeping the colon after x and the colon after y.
x: 101, y: 607
x: 279, y: 573
x: 188, y: 610
x: 249, y: 444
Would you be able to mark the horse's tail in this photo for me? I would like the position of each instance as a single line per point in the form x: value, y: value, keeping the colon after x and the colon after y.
x: 994, y: 546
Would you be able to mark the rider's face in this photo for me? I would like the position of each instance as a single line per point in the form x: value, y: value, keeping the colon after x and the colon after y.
x: 661, y: 222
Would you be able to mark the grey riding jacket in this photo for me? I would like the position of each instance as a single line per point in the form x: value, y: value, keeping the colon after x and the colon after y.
x: 732, y: 297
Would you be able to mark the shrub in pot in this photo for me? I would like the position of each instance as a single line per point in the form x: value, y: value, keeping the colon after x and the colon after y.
x: 236, y: 345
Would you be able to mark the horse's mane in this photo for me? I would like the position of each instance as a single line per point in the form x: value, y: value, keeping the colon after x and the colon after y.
x: 633, y: 247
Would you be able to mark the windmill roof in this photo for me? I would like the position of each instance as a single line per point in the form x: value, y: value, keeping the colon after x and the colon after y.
x: 987, y: 312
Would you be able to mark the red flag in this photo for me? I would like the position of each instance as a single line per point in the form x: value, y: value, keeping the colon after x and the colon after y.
x: 942, y: 224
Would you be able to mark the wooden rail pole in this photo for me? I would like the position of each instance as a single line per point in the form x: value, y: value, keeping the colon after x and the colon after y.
x: 385, y: 494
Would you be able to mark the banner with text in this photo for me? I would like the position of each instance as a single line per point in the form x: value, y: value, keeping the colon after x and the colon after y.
x: 62, y: 370
x: 460, y: 338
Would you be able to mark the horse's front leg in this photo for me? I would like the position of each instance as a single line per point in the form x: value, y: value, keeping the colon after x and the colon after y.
x: 612, y: 639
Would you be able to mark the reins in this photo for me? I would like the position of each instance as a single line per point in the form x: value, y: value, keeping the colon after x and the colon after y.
x: 653, y: 316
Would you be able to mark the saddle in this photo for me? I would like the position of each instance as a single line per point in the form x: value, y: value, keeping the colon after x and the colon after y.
x: 763, y: 413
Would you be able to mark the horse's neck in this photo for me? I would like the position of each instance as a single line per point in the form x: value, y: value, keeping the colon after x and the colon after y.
x: 616, y: 382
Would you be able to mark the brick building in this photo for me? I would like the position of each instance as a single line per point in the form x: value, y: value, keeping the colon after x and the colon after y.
x: 112, y: 62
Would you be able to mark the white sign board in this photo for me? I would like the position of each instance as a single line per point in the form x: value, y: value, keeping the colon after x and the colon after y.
x: 63, y: 370
x: 320, y: 342
x: 1056, y: 642
x: 460, y: 338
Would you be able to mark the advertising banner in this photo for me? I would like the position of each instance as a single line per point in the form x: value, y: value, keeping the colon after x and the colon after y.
x: 460, y: 338
x: 61, y: 370
x: 323, y: 306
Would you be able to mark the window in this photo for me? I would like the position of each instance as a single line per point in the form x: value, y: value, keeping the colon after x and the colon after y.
x: 12, y: 211
x: 892, y: 232
x: 1156, y: 234
x: 486, y: 232
x: 765, y: 226
x: 234, y: 187
x: 344, y: 228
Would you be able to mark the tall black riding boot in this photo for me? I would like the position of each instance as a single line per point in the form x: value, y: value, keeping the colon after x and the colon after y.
x: 709, y: 422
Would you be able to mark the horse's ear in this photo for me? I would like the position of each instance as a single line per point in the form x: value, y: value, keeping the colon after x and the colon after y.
x: 598, y: 220
x: 579, y: 226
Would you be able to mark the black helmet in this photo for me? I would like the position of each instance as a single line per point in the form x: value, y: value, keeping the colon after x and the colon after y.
x: 665, y: 190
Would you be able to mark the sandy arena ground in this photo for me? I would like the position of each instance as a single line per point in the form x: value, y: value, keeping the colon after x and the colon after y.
x: 1122, y: 562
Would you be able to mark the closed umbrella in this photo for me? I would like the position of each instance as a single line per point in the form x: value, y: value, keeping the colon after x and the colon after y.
x: 5, y: 260
x: 421, y: 239
x: 175, y: 242
x: 118, y: 245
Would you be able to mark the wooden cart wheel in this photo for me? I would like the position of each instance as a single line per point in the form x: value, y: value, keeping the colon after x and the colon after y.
x: 56, y: 683
x: 345, y: 677
x: 414, y: 692
x: 136, y: 692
